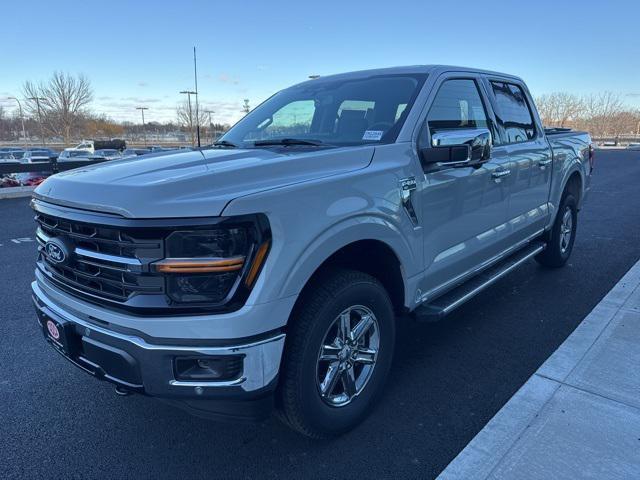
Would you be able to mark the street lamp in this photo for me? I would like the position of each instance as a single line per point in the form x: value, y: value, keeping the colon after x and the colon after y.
x: 24, y: 135
x: 37, y: 100
x: 195, y: 78
x: 188, y: 93
x: 209, y: 112
x: 144, y: 132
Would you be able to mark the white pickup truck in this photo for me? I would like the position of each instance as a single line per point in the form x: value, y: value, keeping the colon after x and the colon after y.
x: 271, y: 268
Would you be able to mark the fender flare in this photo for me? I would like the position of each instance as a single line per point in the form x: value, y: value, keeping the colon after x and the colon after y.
x: 575, y: 166
x: 341, y: 234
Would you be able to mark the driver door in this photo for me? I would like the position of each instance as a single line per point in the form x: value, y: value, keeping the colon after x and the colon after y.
x: 464, y: 207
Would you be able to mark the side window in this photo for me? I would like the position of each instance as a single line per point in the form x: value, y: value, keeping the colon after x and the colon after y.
x: 513, y: 112
x: 457, y: 105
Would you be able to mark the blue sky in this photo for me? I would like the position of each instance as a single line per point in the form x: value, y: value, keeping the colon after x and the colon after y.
x: 140, y: 52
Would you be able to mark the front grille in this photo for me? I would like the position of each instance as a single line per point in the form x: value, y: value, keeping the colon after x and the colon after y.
x: 104, y: 262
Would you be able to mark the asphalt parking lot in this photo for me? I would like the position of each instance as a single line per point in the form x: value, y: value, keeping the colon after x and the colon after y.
x: 448, y: 379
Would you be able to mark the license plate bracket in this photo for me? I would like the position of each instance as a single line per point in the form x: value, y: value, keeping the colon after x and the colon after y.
x: 60, y: 334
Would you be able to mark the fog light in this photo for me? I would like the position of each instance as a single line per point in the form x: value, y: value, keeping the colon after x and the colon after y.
x: 208, y: 368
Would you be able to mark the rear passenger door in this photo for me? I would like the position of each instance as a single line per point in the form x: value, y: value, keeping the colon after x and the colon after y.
x: 522, y: 142
x: 463, y: 207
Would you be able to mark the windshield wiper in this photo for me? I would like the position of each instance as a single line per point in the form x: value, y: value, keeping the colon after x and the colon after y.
x: 287, y: 141
x: 225, y: 143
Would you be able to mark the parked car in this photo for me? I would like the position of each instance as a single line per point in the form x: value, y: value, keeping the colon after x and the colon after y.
x: 93, y: 145
x: 269, y: 269
x: 38, y: 155
x: 156, y: 148
x: 106, y: 154
x: 8, y: 157
x: 135, y: 152
x: 634, y: 146
x: 72, y: 155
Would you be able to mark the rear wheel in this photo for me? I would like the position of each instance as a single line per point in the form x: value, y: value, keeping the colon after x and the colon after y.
x: 339, y: 349
x: 562, y: 236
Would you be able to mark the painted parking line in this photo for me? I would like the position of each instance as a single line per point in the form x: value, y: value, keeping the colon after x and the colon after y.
x: 17, y: 241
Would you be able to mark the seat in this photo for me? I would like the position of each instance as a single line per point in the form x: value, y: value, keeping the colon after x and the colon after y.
x: 352, y: 125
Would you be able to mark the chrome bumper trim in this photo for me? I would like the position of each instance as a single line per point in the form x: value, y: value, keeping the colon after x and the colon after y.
x: 261, y: 358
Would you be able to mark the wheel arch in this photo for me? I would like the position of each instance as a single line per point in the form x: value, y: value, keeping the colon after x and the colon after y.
x: 375, y: 247
x: 574, y: 185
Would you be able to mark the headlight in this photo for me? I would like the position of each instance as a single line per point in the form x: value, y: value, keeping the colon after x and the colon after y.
x: 211, y: 266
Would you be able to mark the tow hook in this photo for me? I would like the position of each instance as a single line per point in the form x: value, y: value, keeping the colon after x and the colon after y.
x: 123, y: 392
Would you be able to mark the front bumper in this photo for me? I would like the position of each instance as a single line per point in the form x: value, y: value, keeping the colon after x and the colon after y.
x: 133, y: 363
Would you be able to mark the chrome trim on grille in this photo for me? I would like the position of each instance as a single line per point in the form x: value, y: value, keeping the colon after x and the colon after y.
x: 106, y: 257
x: 95, y: 269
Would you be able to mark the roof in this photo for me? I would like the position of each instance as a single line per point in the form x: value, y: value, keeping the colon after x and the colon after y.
x: 411, y: 69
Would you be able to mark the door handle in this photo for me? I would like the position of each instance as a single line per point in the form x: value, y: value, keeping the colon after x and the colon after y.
x: 499, y: 174
x: 544, y: 163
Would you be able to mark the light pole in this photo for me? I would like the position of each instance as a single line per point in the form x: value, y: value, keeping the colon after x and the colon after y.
x: 24, y: 135
x: 188, y: 93
x: 144, y: 132
x: 37, y: 100
x: 209, y: 112
x: 195, y: 77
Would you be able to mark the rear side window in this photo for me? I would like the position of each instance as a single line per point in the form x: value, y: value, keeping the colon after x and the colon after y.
x: 513, y: 112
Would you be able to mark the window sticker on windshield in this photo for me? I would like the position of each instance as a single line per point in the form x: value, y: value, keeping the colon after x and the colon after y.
x: 372, y: 135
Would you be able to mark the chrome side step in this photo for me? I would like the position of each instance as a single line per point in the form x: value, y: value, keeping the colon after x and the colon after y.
x: 445, y: 304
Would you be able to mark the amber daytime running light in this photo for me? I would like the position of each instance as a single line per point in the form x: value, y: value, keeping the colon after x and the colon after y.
x: 181, y: 265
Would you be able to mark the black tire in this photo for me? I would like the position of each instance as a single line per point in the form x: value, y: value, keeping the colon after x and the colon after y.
x: 558, y: 249
x: 300, y: 402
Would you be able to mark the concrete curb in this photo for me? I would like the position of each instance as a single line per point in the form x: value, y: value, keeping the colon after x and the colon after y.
x: 533, y: 405
x: 16, y: 192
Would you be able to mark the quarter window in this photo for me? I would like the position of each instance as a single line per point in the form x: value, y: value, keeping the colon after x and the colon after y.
x: 513, y: 112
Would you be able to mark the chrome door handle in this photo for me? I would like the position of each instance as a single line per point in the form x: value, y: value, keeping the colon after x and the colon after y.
x: 544, y: 163
x: 498, y: 174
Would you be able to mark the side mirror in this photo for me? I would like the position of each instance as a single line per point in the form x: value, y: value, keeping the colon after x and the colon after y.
x: 458, y: 148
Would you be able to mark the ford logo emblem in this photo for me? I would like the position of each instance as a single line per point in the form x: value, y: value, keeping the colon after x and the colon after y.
x: 55, y: 251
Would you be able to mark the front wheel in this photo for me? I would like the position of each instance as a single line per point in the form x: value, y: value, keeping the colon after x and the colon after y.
x: 562, y: 236
x: 338, y: 353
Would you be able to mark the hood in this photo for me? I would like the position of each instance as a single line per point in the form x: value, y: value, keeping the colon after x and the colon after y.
x: 193, y: 183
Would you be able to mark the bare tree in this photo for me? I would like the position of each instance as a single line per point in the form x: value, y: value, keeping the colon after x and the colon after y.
x: 62, y: 101
x: 600, y: 111
x: 187, y: 118
x: 559, y: 109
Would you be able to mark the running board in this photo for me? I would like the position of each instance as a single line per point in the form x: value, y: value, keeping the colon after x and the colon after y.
x: 445, y: 304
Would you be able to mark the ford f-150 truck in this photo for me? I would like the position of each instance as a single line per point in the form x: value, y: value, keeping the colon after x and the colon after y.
x: 269, y: 270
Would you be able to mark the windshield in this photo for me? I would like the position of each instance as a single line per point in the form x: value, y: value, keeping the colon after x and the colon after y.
x: 332, y: 112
